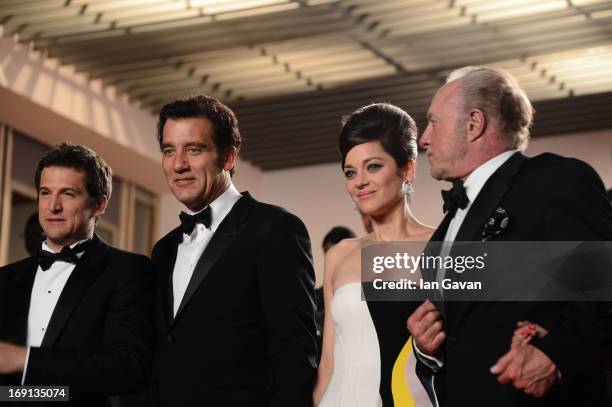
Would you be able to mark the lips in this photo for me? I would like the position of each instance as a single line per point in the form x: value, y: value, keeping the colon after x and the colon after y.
x: 363, y: 195
x: 54, y: 220
x: 184, y: 181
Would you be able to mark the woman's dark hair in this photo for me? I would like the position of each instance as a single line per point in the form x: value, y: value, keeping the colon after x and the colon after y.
x: 336, y: 235
x: 391, y: 126
x: 33, y: 234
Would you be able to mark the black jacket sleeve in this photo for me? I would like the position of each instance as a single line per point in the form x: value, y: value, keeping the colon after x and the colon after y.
x: 286, y: 281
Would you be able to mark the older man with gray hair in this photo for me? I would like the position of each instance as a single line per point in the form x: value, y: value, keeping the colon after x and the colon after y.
x: 478, y: 124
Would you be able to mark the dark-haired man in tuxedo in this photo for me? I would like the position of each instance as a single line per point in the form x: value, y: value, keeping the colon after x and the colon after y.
x: 236, y: 289
x: 79, y: 312
x: 478, y: 123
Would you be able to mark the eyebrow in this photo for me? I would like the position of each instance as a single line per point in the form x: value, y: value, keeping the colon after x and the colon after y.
x: 371, y: 158
x: 196, y: 144
x: 188, y: 144
x: 63, y: 189
x: 364, y: 161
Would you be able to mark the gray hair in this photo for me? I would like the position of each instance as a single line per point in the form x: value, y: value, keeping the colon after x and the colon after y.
x: 497, y: 94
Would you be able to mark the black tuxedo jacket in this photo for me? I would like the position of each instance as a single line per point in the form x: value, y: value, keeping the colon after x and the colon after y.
x: 244, y: 334
x: 99, y: 340
x: 548, y: 198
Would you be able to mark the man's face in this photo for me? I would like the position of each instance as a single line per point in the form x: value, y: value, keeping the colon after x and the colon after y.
x: 444, y: 139
x: 190, y: 161
x: 66, y: 211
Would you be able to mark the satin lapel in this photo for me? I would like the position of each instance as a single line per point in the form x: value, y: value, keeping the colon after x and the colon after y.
x: 485, y: 204
x: 167, y: 265
x: 223, y: 237
x: 488, y: 199
x: 87, y: 270
x: 16, y: 294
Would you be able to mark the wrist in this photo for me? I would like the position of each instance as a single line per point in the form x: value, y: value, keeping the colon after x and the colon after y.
x: 19, y: 356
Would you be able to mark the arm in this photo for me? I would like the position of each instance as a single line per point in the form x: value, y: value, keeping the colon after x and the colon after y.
x: 576, y: 331
x: 327, y: 355
x: 428, y: 335
x: 123, y: 364
x: 286, y: 283
x: 575, y: 342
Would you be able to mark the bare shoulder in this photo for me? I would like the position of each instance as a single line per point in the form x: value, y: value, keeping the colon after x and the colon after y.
x: 343, y: 260
x: 343, y: 249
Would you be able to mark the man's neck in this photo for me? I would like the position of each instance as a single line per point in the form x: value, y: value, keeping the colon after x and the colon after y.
x: 57, y: 246
x: 480, y: 159
x: 214, y: 196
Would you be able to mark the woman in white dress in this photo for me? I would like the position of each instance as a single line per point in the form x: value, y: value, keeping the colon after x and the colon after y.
x: 378, y: 147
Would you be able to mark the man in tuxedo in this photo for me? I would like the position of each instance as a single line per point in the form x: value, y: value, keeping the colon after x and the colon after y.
x: 236, y: 289
x: 478, y: 122
x: 79, y: 313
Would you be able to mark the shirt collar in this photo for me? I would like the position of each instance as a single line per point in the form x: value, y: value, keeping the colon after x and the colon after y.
x: 476, y: 180
x: 48, y: 249
x: 221, y: 205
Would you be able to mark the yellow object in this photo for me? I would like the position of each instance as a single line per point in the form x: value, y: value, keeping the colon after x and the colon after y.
x: 402, y: 397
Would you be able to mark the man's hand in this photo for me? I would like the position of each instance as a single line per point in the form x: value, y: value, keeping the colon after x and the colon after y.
x: 426, y: 327
x: 528, y: 369
x: 12, y: 358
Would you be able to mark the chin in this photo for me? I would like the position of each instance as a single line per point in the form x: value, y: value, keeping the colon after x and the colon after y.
x: 369, y: 210
x: 57, y: 238
x: 436, y: 175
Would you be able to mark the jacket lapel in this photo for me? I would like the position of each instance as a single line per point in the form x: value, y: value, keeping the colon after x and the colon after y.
x: 488, y: 199
x: 87, y: 270
x: 16, y: 293
x: 223, y: 237
x: 484, y: 205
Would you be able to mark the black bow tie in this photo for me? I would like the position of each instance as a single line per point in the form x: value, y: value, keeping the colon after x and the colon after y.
x: 188, y: 222
x: 455, y: 198
x: 46, y: 259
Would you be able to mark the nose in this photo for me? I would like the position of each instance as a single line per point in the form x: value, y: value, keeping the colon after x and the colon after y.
x: 181, y: 164
x: 361, y: 179
x: 425, y: 138
x: 55, y: 204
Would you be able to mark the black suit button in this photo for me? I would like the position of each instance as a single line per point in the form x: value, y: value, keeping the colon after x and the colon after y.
x: 452, y: 340
x: 170, y: 338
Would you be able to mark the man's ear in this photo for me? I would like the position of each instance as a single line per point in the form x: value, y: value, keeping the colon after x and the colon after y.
x: 100, y: 207
x: 229, y: 161
x: 475, y: 125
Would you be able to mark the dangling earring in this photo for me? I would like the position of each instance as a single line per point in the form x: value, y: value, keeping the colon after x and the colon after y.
x: 407, y: 187
x: 354, y: 205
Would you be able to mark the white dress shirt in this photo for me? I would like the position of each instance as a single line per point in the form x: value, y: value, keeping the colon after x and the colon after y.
x: 473, y: 185
x: 192, y: 246
x: 46, y: 290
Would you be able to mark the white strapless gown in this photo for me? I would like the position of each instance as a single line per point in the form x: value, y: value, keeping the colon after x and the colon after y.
x: 355, y: 379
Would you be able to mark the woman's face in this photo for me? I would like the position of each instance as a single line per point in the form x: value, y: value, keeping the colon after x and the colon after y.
x: 373, y: 179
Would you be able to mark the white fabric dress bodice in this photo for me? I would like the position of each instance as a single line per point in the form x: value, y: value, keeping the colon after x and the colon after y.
x: 355, y: 379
